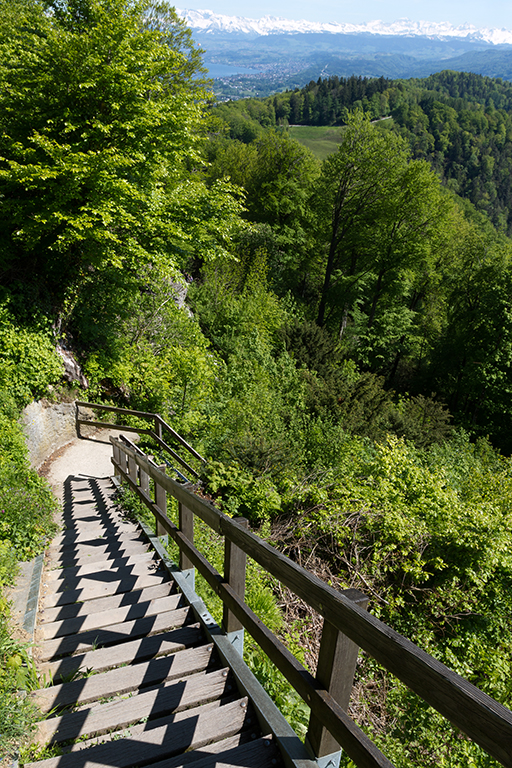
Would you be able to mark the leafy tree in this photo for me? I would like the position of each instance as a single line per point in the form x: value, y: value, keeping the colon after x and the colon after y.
x: 99, y: 116
x: 379, y: 214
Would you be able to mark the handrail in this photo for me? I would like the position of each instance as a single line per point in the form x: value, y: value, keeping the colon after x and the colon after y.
x: 156, y: 434
x: 484, y: 720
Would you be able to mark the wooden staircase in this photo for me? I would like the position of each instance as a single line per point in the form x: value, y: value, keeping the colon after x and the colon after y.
x: 135, y: 680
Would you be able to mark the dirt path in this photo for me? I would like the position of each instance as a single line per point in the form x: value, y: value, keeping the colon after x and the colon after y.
x: 83, y: 457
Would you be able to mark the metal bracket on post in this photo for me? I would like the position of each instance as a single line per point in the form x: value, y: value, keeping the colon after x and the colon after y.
x: 235, y: 561
x: 328, y: 761
x: 186, y: 524
x: 335, y: 672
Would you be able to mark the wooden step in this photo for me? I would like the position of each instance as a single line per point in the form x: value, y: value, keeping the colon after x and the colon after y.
x: 70, y: 546
x: 257, y: 753
x: 100, y: 604
x: 83, y: 533
x: 117, y: 633
x: 92, y: 591
x: 68, y: 572
x: 137, y: 567
x: 129, y: 652
x: 113, y: 616
x: 165, y: 737
x: 125, y: 679
x: 211, y: 750
x: 102, y: 549
x: 168, y: 698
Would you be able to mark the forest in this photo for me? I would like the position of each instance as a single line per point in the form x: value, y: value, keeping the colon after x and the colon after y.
x: 343, y: 357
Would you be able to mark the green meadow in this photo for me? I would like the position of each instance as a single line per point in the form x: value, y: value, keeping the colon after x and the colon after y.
x: 322, y: 140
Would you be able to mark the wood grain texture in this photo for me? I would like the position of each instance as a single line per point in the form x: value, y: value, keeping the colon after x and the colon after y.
x: 91, y: 591
x: 109, y: 617
x: 181, y: 732
x: 89, y: 607
x: 110, y: 564
x: 167, y: 698
x: 130, y: 652
x: 116, y: 633
x: 124, y: 679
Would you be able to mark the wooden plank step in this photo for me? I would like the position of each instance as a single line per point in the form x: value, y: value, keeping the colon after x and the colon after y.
x: 168, y: 698
x: 131, y: 652
x: 68, y: 572
x: 113, y: 616
x: 153, y: 741
x: 92, y: 516
x: 80, y: 745
x: 258, y: 753
x: 126, y: 679
x: 99, y: 589
x: 62, y: 612
x: 116, y: 633
x: 87, y: 531
x: 111, y: 574
x: 101, y: 550
x: 214, y: 748
x: 71, y: 545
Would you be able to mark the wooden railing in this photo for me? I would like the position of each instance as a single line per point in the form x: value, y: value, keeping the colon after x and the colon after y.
x: 156, y: 433
x: 347, y: 627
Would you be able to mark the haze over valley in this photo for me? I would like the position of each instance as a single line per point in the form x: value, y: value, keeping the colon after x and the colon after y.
x: 260, y: 56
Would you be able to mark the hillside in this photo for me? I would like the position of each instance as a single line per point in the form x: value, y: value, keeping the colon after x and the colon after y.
x: 335, y: 337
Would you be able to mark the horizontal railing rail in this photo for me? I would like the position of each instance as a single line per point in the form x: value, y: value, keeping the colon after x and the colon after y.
x: 156, y: 433
x: 347, y: 626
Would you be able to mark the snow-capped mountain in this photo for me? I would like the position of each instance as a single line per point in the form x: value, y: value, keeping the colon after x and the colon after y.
x: 208, y: 22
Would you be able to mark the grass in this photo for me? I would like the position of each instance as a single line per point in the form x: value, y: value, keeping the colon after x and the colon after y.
x: 322, y: 140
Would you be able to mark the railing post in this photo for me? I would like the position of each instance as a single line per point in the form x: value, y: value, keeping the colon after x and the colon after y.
x: 186, y: 523
x: 335, y: 672
x: 235, y: 561
x: 144, y: 481
x: 158, y: 427
x: 161, y: 502
x: 132, y: 469
x: 117, y: 459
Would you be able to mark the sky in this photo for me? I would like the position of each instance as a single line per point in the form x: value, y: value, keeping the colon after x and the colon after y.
x: 493, y: 13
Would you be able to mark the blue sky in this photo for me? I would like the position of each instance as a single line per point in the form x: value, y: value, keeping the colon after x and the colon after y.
x: 493, y: 13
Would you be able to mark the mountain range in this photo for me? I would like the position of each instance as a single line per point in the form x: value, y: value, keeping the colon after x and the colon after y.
x: 208, y: 22
x: 255, y: 57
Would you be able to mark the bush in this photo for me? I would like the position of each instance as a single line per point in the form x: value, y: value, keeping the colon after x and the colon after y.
x: 28, y: 360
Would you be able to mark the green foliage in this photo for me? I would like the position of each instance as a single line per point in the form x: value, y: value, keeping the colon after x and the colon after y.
x: 26, y: 510
x: 28, y: 361
x: 18, y: 715
x: 241, y: 493
x: 101, y: 114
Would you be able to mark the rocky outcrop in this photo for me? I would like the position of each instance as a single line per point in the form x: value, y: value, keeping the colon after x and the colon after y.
x: 47, y: 427
x: 72, y: 370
